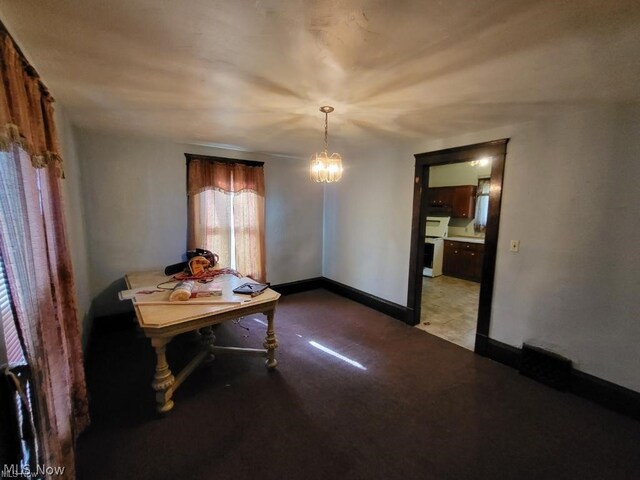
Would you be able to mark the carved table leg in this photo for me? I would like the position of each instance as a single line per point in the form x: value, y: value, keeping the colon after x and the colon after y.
x: 208, y: 339
x: 270, y: 343
x: 163, y: 379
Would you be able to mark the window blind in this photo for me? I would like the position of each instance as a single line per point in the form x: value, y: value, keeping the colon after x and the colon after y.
x: 15, y: 355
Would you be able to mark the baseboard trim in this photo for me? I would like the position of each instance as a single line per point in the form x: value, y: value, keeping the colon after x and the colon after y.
x: 611, y: 395
x: 620, y: 399
x: 298, y: 286
x: 409, y: 317
x: 381, y: 305
x: 503, y: 353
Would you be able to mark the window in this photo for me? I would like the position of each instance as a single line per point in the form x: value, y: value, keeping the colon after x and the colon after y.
x: 24, y: 444
x: 482, y: 204
x: 226, y: 211
x: 11, y: 345
x: 36, y: 266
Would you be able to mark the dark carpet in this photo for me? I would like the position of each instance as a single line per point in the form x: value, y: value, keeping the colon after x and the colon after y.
x: 422, y: 409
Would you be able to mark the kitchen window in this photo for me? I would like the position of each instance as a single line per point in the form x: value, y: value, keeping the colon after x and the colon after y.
x: 482, y: 204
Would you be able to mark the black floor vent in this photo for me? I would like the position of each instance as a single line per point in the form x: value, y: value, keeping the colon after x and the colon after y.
x: 545, y: 367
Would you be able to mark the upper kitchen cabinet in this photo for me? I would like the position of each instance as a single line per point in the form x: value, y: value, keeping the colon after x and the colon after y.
x: 460, y: 200
x: 464, y: 201
x: 440, y: 197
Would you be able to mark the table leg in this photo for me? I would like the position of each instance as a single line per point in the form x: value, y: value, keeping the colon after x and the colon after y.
x: 270, y: 343
x: 163, y: 379
x: 208, y: 339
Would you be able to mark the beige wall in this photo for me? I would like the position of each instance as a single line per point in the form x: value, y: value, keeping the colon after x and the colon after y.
x: 134, y: 189
x: 571, y: 186
x: 457, y: 174
x: 75, y: 221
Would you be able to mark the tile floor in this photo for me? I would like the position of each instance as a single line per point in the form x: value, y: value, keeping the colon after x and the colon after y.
x: 450, y: 309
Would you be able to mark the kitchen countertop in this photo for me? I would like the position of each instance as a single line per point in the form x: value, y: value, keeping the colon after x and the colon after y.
x: 466, y: 239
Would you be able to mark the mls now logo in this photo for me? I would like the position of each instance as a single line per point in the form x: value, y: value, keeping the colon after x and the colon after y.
x: 25, y: 471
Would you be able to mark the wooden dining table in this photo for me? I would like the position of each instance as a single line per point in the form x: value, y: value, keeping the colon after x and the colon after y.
x: 161, y: 320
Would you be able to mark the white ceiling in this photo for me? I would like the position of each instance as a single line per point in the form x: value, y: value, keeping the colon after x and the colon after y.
x: 252, y: 74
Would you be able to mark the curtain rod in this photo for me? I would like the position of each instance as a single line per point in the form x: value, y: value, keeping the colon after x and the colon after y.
x: 210, y: 158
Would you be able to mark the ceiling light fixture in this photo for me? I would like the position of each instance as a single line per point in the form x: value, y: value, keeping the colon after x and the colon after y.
x: 484, y: 161
x: 325, y: 168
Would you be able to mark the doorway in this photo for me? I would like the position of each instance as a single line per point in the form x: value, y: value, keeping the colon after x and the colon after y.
x: 426, y: 203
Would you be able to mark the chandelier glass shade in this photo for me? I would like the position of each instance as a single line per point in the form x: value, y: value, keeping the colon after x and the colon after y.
x: 325, y: 168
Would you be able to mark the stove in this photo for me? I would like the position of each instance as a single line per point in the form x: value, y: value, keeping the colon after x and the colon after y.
x: 436, y: 232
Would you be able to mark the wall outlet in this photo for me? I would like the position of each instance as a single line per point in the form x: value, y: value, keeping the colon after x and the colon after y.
x: 514, y: 246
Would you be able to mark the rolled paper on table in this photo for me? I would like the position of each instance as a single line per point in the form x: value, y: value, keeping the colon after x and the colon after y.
x: 181, y: 292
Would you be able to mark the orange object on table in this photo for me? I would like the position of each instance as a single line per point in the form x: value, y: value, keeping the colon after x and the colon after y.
x: 198, y: 264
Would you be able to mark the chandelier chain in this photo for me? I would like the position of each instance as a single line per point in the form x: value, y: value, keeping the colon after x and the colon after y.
x: 326, y: 131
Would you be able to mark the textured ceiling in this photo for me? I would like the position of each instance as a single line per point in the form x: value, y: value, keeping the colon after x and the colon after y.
x: 252, y: 74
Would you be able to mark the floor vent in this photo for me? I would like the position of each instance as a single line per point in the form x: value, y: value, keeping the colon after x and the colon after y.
x: 545, y: 367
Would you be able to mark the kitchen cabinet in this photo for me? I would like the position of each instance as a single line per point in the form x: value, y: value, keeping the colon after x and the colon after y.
x: 461, y: 200
x: 463, y: 260
x: 463, y: 204
x: 440, y: 196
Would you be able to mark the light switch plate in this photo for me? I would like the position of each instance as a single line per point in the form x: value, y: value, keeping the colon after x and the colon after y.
x: 514, y: 246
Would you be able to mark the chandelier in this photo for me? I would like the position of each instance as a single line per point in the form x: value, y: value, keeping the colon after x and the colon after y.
x: 325, y: 168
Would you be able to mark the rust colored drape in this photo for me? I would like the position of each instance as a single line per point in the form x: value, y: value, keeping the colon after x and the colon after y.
x: 226, y: 213
x: 227, y: 177
x: 26, y: 111
x: 38, y: 264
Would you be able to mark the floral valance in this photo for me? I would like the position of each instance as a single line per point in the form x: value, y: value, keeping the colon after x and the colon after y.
x: 26, y: 109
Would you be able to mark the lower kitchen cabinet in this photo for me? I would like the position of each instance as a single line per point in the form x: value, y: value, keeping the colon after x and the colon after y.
x: 463, y: 260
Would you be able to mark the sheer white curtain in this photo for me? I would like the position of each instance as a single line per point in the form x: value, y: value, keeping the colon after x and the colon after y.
x: 248, y: 230
x: 211, y: 224
x: 482, y: 204
x: 40, y: 281
x: 229, y: 224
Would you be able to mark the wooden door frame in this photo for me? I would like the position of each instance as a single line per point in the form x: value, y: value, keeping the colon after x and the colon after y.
x: 497, y: 149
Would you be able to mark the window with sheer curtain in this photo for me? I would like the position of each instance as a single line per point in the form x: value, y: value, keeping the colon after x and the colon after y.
x: 482, y: 204
x: 38, y: 294
x: 226, y: 211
